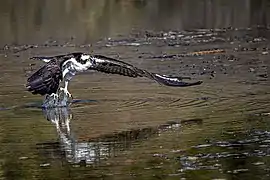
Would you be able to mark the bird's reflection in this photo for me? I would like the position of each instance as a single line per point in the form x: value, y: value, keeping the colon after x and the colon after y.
x: 74, y: 151
x: 97, y: 149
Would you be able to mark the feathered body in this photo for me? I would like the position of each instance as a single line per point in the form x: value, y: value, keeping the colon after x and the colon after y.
x: 62, y: 68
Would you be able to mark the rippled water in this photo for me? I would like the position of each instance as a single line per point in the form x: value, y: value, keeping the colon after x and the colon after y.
x: 125, y: 128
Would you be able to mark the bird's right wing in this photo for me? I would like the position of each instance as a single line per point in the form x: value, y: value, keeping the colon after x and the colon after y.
x: 175, y: 81
x: 46, y: 80
x: 113, y: 66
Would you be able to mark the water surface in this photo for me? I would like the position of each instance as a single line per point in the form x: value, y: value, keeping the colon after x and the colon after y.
x: 125, y: 128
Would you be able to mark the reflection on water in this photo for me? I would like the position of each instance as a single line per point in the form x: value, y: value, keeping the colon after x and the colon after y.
x: 94, y: 150
x: 236, y: 153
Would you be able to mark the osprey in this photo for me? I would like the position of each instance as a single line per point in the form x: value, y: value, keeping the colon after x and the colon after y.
x: 46, y: 80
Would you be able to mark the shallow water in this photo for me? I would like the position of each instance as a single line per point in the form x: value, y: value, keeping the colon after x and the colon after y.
x: 125, y: 128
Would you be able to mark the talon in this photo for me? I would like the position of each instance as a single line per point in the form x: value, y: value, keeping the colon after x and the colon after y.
x: 69, y: 95
x: 66, y: 92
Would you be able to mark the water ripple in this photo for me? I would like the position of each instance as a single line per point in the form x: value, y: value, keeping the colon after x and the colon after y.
x: 256, y: 144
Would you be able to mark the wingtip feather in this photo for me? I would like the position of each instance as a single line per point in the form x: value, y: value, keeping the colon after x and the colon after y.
x: 175, y: 81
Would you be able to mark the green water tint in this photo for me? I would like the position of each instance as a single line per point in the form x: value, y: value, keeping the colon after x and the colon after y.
x: 136, y: 129
x: 231, y: 146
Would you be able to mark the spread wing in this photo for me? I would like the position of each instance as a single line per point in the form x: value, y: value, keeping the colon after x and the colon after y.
x: 59, y: 58
x: 46, y: 80
x: 113, y: 66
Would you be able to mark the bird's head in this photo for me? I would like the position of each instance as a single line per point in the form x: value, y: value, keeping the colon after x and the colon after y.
x: 84, y: 58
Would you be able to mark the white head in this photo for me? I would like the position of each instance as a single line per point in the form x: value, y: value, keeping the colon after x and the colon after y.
x: 85, y: 60
x: 85, y: 57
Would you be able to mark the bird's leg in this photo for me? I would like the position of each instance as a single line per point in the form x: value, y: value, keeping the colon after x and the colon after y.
x: 55, y: 99
x: 65, y: 89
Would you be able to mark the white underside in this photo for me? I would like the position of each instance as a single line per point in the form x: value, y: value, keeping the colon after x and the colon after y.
x: 63, y: 97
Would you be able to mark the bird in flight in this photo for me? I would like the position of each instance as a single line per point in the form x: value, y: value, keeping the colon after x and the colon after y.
x: 61, y: 68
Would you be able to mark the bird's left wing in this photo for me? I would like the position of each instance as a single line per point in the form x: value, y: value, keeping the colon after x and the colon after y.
x: 59, y: 58
x: 44, y: 58
x: 113, y: 66
x: 46, y: 80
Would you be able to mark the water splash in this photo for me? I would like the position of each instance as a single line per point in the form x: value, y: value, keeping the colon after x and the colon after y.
x: 57, y: 100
